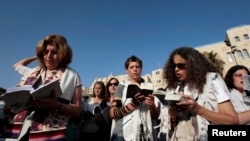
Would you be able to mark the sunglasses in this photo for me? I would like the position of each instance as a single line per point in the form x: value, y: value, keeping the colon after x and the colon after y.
x: 180, y: 66
x: 238, y: 75
x: 115, y: 84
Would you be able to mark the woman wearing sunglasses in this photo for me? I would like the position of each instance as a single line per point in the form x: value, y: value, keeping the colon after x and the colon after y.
x: 205, y: 98
x: 111, y: 88
x: 239, y: 97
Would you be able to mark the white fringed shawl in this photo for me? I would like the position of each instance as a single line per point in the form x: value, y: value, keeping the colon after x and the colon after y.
x: 215, y: 91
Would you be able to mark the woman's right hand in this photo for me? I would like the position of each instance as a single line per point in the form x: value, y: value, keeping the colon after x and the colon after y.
x: 46, y: 103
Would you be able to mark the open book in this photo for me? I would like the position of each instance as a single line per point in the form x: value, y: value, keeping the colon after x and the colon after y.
x: 17, y: 98
x: 160, y: 94
x: 173, y: 97
x: 246, y: 84
x: 105, y: 112
x: 144, y: 89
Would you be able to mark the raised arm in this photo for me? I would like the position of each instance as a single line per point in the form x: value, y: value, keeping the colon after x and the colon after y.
x: 24, y: 62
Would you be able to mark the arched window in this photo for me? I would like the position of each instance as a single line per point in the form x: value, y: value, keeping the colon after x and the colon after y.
x: 245, y: 53
x: 246, y: 36
x: 230, y: 57
x: 239, y: 55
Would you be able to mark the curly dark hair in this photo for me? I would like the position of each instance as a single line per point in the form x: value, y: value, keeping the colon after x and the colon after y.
x: 197, y: 68
x: 229, y: 75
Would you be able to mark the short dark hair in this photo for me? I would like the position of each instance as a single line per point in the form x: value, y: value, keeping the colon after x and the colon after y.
x: 133, y: 58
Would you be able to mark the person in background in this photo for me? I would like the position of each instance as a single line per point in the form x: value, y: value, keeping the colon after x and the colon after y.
x: 93, y: 126
x: 21, y: 65
x: 2, y: 115
x: 111, y: 87
x: 234, y: 82
x: 205, y: 97
x: 132, y: 116
x: 51, y: 115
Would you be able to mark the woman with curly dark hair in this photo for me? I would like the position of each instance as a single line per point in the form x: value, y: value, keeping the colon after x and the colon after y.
x: 239, y: 97
x: 205, y: 98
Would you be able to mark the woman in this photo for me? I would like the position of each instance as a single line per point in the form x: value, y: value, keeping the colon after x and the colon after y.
x: 93, y: 126
x: 205, y: 96
x: 52, y: 114
x: 234, y: 82
x: 132, y: 118
x: 111, y: 88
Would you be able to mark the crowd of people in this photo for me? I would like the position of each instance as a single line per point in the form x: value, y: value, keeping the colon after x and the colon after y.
x: 114, y: 113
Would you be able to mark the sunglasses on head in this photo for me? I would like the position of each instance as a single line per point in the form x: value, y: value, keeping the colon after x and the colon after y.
x: 180, y: 66
x: 115, y: 84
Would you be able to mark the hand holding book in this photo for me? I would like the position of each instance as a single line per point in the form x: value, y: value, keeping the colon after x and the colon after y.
x: 18, y: 98
x: 138, y: 92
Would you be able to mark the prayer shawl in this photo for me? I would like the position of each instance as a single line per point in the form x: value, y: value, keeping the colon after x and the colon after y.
x: 215, y: 91
x: 131, y: 122
x: 52, y: 124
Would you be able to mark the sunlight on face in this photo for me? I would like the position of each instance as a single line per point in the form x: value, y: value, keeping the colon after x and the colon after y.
x: 134, y: 71
x: 238, y: 79
x: 112, y: 87
x: 50, y: 57
x: 98, y: 90
x: 180, y: 67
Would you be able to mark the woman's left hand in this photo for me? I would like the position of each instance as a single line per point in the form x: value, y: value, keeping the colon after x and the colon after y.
x: 46, y: 103
x: 149, y: 100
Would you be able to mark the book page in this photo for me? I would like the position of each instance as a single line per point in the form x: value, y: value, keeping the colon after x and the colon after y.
x: 246, y: 82
x: 144, y: 89
x: 160, y: 95
x: 17, y: 100
x: 45, y: 90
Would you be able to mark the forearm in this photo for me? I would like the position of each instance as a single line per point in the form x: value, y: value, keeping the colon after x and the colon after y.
x: 69, y: 109
x: 244, y: 117
x: 217, y: 117
x: 25, y: 61
x: 120, y: 112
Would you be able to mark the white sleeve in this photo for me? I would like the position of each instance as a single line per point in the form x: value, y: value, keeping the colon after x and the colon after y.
x: 21, y: 69
x: 220, y: 89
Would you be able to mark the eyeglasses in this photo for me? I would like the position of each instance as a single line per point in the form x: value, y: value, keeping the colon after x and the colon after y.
x: 115, y: 84
x: 237, y: 75
x: 180, y: 66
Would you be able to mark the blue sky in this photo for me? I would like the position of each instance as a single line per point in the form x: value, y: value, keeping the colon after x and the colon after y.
x: 103, y: 33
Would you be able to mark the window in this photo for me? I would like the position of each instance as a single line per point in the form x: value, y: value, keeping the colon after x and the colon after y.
x: 245, y: 53
x: 237, y: 39
x: 229, y: 57
x: 157, y: 72
x: 246, y: 36
x: 239, y: 55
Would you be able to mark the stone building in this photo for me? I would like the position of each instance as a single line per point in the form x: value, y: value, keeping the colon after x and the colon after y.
x: 233, y: 50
